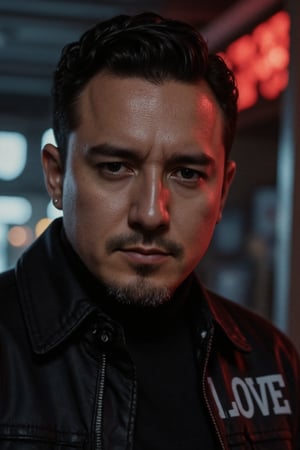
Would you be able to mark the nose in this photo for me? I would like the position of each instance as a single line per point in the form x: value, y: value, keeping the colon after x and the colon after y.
x: 149, y: 203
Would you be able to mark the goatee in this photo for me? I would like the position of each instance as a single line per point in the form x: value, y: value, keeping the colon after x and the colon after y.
x: 139, y: 293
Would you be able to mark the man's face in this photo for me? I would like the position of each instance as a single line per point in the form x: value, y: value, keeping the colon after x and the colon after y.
x: 144, y: 183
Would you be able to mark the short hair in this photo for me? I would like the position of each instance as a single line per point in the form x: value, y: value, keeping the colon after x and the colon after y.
x: 147, y: 46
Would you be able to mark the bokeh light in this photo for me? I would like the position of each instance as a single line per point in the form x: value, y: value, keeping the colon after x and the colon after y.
x: 260, y: 60
x: 13, y: 154
x: 41, y: 226
x: 20, y: 236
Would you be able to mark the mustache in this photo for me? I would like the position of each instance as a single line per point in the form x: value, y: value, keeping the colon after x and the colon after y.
x: 123, y: 241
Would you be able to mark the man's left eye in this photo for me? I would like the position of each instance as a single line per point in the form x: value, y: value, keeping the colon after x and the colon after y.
x: 114, y: 169
x: 114, y: 166
x: 185, y: 173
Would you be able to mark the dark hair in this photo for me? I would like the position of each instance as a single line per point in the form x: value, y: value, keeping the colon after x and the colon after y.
x: 146, y: 46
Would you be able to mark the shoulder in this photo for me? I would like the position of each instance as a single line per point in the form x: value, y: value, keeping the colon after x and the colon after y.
x: 7, y: 283
x: 9, y: 298
x: 260, y: 332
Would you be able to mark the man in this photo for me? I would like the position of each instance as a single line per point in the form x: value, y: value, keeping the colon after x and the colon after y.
x: 108, y: 340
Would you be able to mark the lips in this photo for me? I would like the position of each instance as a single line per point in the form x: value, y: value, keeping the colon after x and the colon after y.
x: 146, y: 250
x: 145, y: 255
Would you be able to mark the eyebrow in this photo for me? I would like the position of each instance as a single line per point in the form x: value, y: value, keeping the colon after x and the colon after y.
x: 199, y: 159
x: 112, y: 150
x: 105, y: 149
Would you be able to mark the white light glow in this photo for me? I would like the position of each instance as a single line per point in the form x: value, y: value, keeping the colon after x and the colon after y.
x: 52, y: 212
x: 14, y: 210
x: 3, y: 247
x: 13, y: 154
x: 48, y: 137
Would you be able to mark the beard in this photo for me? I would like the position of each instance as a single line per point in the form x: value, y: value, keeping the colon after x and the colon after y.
x: 141, y: 292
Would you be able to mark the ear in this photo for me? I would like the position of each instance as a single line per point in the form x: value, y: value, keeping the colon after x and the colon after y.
x: 53, y: 173
x: 229, y: 173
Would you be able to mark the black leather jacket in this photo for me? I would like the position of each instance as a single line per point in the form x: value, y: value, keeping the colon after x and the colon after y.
x: 67, y: 381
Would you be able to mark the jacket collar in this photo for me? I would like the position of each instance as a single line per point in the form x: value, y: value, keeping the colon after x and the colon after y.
x: 55, y: 302
x: 222, y: 311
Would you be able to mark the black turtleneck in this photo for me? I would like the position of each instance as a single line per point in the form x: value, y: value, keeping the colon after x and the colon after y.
x: 170, y: 410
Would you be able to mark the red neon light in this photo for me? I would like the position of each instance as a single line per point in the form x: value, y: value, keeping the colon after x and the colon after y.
x: 260, y: 60
x: 278, y: 83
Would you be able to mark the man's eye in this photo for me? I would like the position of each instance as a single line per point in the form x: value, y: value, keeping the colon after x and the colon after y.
x: 116, y: 169
x: 188, y: 174
x: 113, y: 167
x: 188, y: 177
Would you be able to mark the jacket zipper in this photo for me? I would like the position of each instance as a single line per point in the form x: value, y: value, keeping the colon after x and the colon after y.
x: 99, y: 413
x: 206, y: 397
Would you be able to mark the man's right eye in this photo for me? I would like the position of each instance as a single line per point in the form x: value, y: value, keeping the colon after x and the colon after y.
x: 113, y: 166
x: 114, y: 169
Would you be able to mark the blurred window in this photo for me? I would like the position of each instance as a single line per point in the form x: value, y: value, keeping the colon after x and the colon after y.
x: 13, y: 154
x: 14, y: 210
x: 3, y: 247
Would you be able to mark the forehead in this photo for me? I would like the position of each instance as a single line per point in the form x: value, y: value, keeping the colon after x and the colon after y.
x: 137, y: 110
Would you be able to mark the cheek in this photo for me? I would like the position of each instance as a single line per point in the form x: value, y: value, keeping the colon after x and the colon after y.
x: 196, y: 226
x: 97, y: 210
x: 200, y: 214
x: 199, y: 232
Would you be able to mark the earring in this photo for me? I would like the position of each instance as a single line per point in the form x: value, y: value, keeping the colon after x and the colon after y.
x: 55, y: 201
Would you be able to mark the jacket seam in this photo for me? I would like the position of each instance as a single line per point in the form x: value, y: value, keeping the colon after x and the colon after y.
x: 37, y: 428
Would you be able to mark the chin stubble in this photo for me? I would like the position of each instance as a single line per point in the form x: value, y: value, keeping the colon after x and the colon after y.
x: 141, y: 293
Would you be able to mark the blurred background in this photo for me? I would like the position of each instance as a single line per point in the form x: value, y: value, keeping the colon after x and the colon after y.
x: 255, y: 253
